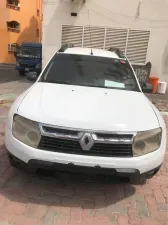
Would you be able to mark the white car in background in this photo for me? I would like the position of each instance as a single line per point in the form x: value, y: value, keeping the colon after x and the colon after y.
x: 87, y: 112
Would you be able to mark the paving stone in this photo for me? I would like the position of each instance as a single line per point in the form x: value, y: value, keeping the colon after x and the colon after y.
x: 154, y: 183
x: 2, y: 199
x: 61, y: 219
x: 4, y: 161
x: 159, y: 196
x: 15, y: 183
x: 123, y: 220
x: 89, y: 221
x: 151, y: 222
x: 151, y: 202
x: 50, y: 218
x: 3, y: 168
x: 116, y: 208
x: 22, y: 220
x: 2, y: 129
x: 4, y: 111
x: 141, y: 206
x: 164, y: 190
x: 2, y: 141
x: 132, y: 213
x: 36, y: 210
x: 159, y: 215
x: 4, y: 223
x: 163, y: 207
x: 2, y: 151
x: 98, y: 214
x: 113, y: 218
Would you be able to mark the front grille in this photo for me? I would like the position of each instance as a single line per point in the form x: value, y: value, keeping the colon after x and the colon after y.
x: 73, y: 147
x: 60, y: 131
x: 27, y: 65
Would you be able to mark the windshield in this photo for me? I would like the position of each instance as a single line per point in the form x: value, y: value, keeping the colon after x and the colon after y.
x: 29, y: 52
x: 91, y: 71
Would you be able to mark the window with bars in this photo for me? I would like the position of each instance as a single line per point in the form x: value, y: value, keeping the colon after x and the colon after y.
x: 13, y: 4
x: 13, y: 26
x: 134, y: 43
x: 12, y: 47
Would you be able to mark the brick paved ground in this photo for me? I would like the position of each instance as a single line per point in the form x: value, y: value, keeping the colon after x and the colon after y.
x: 66, y: 199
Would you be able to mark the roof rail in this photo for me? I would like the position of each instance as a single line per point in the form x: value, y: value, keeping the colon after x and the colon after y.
x: 117, y: 51
x: 65, y: 46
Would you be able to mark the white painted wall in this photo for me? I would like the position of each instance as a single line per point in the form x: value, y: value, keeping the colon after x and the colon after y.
x: 153, y: 16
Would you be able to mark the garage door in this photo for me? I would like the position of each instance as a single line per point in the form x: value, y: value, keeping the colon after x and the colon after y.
x: 134, y: 43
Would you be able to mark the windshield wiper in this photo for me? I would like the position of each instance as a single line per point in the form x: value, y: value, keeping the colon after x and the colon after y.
x: 56, y: 82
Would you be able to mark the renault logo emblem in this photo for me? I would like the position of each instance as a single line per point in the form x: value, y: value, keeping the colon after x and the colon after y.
x: 86, y: 142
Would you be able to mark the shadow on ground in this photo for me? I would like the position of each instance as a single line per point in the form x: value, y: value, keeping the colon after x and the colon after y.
x: 65, y: 189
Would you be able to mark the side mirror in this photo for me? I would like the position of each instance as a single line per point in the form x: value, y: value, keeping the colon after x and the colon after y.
x: 32, y: 76
x: 146, y: 87
x: 15, y: 54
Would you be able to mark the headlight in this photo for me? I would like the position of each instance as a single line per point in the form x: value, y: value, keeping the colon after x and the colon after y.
x: 17, y: 64
x: 147, y: 141
x: 38, y: 66
x: 26, y: 131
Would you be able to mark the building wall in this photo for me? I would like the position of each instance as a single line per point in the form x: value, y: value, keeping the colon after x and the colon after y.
x: 29, y: 23
x: 3, y: 31
x: 149, y: 15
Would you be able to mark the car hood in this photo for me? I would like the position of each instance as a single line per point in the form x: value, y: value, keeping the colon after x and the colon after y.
x: 88, y: 108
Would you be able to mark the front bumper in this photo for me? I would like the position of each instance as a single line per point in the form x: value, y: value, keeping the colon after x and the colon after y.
x: 28, y: 155
x: 37, y: 70
x: 132, y: 174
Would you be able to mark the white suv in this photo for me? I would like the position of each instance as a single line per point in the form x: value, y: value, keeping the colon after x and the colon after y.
x: 87, y: 112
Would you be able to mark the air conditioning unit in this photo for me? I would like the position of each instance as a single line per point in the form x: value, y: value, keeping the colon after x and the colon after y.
x: 76, y: 5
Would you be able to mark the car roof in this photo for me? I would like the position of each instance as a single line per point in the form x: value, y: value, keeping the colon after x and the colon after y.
x: 31, y: 44
x: 87, y: 51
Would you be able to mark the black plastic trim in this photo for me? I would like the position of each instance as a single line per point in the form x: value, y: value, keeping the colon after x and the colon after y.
x: 132, y: 174
x: 65, y: 46
x: 117, y: 51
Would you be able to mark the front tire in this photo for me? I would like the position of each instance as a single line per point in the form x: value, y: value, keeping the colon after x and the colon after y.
x: 18, y: 164
x: 21, y: 73
x: 141, y: 178
x: 14, y: 161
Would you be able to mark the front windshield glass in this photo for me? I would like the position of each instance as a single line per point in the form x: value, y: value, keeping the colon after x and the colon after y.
x: 91, y: 71
x: 29, y: 52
